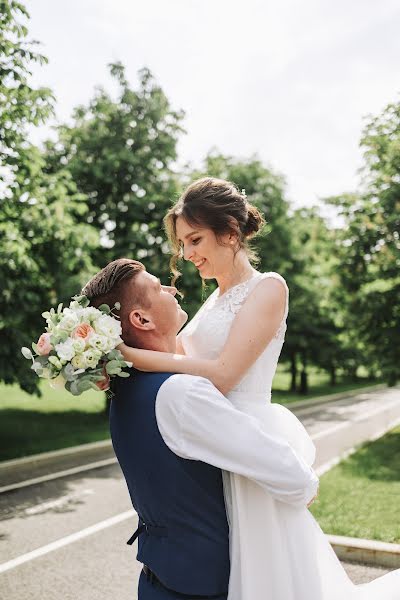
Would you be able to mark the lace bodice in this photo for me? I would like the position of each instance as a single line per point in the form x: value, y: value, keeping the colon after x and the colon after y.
x: 207, y: 332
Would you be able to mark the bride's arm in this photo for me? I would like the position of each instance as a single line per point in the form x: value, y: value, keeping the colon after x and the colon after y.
x: 253, y: 328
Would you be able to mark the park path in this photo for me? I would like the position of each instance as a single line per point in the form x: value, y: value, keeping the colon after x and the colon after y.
x: 337, y: 427
x: 69, y: 534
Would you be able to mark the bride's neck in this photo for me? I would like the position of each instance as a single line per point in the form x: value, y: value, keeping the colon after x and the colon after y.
x: 240, y: 271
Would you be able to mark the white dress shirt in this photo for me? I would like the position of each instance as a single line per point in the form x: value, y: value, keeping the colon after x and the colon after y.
x: 198, y: 423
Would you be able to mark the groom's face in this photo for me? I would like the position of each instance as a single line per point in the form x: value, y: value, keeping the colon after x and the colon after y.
x: 162, y: 312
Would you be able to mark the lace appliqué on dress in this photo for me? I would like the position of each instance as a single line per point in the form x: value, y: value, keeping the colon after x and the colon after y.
x: 235, y: 297
x: 233, y: 301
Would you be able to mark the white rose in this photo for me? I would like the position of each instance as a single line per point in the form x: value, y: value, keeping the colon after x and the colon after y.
x: 92, y: 357
x: 65, y: 350
x: 108, y: 326
x: 100, y: 342
x: 78, y: 345
x: 87, y: 314
x: 79, y: 362
x: 69, y: 320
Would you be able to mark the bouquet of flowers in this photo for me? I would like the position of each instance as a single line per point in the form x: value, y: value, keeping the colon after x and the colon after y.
x: 78, y: 349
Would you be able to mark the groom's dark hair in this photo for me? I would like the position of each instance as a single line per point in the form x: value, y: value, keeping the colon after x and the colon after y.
x: 114, y: 284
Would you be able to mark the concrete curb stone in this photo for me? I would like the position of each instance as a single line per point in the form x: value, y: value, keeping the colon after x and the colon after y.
x: 369, y: 552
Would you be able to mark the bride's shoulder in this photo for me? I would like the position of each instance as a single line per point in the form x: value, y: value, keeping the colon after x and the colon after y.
x: 270, y: 286
x: 274, y: 276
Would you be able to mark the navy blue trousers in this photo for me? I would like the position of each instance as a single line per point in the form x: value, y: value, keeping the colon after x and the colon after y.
x: 153, y: 591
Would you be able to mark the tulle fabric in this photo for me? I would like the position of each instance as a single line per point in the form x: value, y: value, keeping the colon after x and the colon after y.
x: 278, y: 552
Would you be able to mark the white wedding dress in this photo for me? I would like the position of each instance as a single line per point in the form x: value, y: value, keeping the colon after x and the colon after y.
x: 278, y: 552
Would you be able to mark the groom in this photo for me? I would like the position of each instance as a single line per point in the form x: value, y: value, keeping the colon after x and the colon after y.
x: 173, y: 434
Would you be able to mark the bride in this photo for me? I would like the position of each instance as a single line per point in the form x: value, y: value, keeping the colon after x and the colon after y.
x: 277, y: 551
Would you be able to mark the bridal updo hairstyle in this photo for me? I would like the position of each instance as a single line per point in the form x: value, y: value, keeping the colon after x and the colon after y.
x: 218, y: 205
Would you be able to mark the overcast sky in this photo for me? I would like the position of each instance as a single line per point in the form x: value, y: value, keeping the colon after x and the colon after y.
x: 288, y: 80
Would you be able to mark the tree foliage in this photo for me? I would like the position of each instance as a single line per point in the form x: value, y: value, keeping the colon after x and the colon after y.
x: 369, y: 246
x: 44, y: 259
x: 21, y: 105
x: 44, y: 248
x: 120, y: 154
x: 101, y: 190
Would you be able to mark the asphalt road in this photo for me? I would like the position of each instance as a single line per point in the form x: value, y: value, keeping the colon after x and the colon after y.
x: 93, y: 567
x: 337, y: 427
x: 69, y: 534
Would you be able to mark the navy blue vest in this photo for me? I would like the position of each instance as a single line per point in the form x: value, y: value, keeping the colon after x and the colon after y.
x: 185, y: 539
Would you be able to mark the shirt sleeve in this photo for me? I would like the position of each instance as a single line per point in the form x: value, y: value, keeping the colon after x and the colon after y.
x: 198, y: 423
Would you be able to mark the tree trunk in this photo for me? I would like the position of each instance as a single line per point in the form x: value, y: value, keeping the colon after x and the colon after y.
x: 333, y: 374
x: 352, y: 373
x: 303, y: 382
x: 293, y: 373
x: 303, y: 389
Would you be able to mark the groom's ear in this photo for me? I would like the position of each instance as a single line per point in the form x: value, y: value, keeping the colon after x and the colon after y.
x: 141, y: 320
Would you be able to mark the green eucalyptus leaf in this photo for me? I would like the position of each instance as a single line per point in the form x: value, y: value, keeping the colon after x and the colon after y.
x: 27, y: 353
x: 110, y: 366
x: 114, y: 371
x: 105, y: 308
x: 74, y: 389
x: 42, y: 360
x: 83, y: 386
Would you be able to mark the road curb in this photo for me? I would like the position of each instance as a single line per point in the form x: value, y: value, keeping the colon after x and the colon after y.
x: 29, y: 470
x: 369, y: 552
x: 34, y: 459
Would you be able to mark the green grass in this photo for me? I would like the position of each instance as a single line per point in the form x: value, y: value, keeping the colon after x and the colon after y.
x: 360, y: 497
x: 319, y: 385
x: 29, y: 425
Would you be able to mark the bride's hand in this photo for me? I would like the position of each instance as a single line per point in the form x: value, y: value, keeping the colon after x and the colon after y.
x: 130, y: 354
x: 136, y: 356
x: 122, y: 348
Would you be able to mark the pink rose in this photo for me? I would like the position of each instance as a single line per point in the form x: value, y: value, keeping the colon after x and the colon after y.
x: 43, y: 345
x: 83, y: 331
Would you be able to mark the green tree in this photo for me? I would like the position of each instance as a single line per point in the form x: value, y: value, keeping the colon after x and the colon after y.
x: 21, y: 104
x: 121, y: 155
x: 369, y: 246
x: 316, y: 333
x: 44, y: 248
x: 44, y: 259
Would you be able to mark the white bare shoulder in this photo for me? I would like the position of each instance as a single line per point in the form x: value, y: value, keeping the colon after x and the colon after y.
x: 271, y: 287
